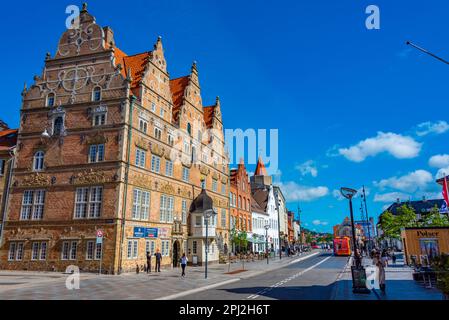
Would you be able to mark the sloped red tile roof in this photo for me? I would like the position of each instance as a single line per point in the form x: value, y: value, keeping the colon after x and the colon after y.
x: 8, y: 139
x: 209, y: 115
x: 260, y: 168
x: 137, y: 63
x: 177, y: 88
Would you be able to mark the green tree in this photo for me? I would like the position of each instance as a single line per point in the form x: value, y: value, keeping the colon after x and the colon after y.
x: 436, y: 219
x: 392, y: 224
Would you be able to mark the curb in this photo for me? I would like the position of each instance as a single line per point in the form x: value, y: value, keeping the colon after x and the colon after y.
x: 219, y: 284
x: 186, y: 293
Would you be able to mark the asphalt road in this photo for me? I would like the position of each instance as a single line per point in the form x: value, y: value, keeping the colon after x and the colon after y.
x: 311, y: 279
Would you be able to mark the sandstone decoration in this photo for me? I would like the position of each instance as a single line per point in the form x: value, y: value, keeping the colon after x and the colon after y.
x: 97, y: 139
x: 35, y: 180
x: 89, y: 177
x: 157, y: 150
x: 141, y: 143
x: 142, y: 181
x: 167, y: 188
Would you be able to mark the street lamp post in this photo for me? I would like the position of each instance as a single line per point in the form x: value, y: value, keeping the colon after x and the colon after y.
x: 266, y: 240
x: 358, y: 272
x: 207, y: 215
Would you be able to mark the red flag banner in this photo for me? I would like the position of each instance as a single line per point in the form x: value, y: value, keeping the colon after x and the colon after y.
x: 445, y: 192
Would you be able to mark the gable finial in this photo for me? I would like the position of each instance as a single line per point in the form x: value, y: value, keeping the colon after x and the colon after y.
x: 84, y: 7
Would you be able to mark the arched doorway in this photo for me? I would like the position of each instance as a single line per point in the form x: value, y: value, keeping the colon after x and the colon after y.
x: 176, y: 253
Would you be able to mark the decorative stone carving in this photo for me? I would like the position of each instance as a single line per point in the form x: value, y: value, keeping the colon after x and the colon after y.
x: 157, y: 150
x: 215, y: 176
x: 89, y: 177
x: 204, y: 170
x: 97, y: 139
x: 142, y: 181
x: 168, y: 189
x: 224, y: 180
x: 35, y: 180
x: 141, y: 143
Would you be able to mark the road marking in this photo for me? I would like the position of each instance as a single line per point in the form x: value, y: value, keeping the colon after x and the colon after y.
x: 185, y: 293
x: 258, y: 294
x: 304, y: 258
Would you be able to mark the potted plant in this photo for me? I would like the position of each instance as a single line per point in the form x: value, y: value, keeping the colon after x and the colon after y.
x: 441, y: 266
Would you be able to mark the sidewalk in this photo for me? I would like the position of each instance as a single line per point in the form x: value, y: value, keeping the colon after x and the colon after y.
x: 164, y: 285
x: 399, y: 285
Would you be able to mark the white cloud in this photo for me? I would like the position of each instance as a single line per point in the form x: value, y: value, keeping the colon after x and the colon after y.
x: 296, y: 192
x: 390, y: 197
x: 428, y: 127
x: 308, y: 167
x: 399, y: 146
x: 443, y: 172
x: 410, y: 182
x: 319, y: 223
x: 439, y: 161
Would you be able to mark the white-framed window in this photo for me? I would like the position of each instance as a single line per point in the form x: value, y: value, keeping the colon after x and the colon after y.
x: 90, y: 248
x: 96, y: 94
x: 170, y: 139
x: 155, y: 164
x: 153, y: 107
x: 133, y: 249
x: 50, y: 100
x: 141, y: 204
x: 157, y: 133
x: 184, y: 211
x: 162, y: 112
x: 99, y: 119
x: 168, y: 168
x: 32, y: 205
x: 140, y: 157
x: 12, y: 251
x: 165, y: 248
x: 223, y: 218
x: 38, y: 161
x: 223, y: 188
x: 35, y: 251
x: 43, y: 251
x: 185, y: 174
x: 143, y: 125
x: 73, y: 250
x: 166, y: 208
x: 187, y: 147
x: 214, y: 185
x: 2, y: 166
x: 19, y: 251
x: 194, y: 247
x: 198, y: 221
x: 88, y: 202
x: 65, y: 253
x: 96, y: 153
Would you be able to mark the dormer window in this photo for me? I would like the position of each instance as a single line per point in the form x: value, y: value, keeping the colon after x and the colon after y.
x: 38, y: 161
x: 96, y: 94
x: 50, y: 100
x: 58, y: 125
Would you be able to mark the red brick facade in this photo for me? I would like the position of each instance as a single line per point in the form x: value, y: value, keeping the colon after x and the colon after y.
x: 241, y: 199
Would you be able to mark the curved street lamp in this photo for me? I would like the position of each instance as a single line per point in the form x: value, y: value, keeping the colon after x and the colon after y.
x: 349, y: 193
x: 266, y: 240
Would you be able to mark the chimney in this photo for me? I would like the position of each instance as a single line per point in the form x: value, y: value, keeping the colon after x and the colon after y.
x: 108, y: 36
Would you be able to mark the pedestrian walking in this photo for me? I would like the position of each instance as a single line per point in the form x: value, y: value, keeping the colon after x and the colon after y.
x: 158, y: 256
x: 393, y: 258
x: 148, y: 262
x: 384, y: 257
x: 379, y: 262
x: 183, y: 264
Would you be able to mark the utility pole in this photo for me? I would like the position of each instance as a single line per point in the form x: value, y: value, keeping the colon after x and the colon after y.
x: 367, y: 218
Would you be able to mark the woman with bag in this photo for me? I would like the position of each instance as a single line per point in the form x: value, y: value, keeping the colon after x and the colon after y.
x: 183, y: 264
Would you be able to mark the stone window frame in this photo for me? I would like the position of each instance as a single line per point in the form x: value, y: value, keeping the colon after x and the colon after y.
x: 38, y: 161
x: 141, y: 204
x: 97, y: 153
x: 33, y: 204
x: 184, y: 211
x: 52, y: 96
x: 132, y: 249
x: 95, y: 90
x: 166, y: 208
x: 88, y: 203
x: 141, y: 156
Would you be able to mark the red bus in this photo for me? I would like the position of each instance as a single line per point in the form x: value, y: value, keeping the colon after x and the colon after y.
x: 342, y: 246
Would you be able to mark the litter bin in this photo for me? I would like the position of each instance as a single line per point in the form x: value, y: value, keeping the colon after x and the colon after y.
x: 195, y: 260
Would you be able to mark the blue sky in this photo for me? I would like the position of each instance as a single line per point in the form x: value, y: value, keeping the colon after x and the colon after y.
x: 308, y: 68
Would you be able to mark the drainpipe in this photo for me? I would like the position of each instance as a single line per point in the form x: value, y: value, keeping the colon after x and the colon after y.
x: 6, y: 195
x: 125, y: 192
